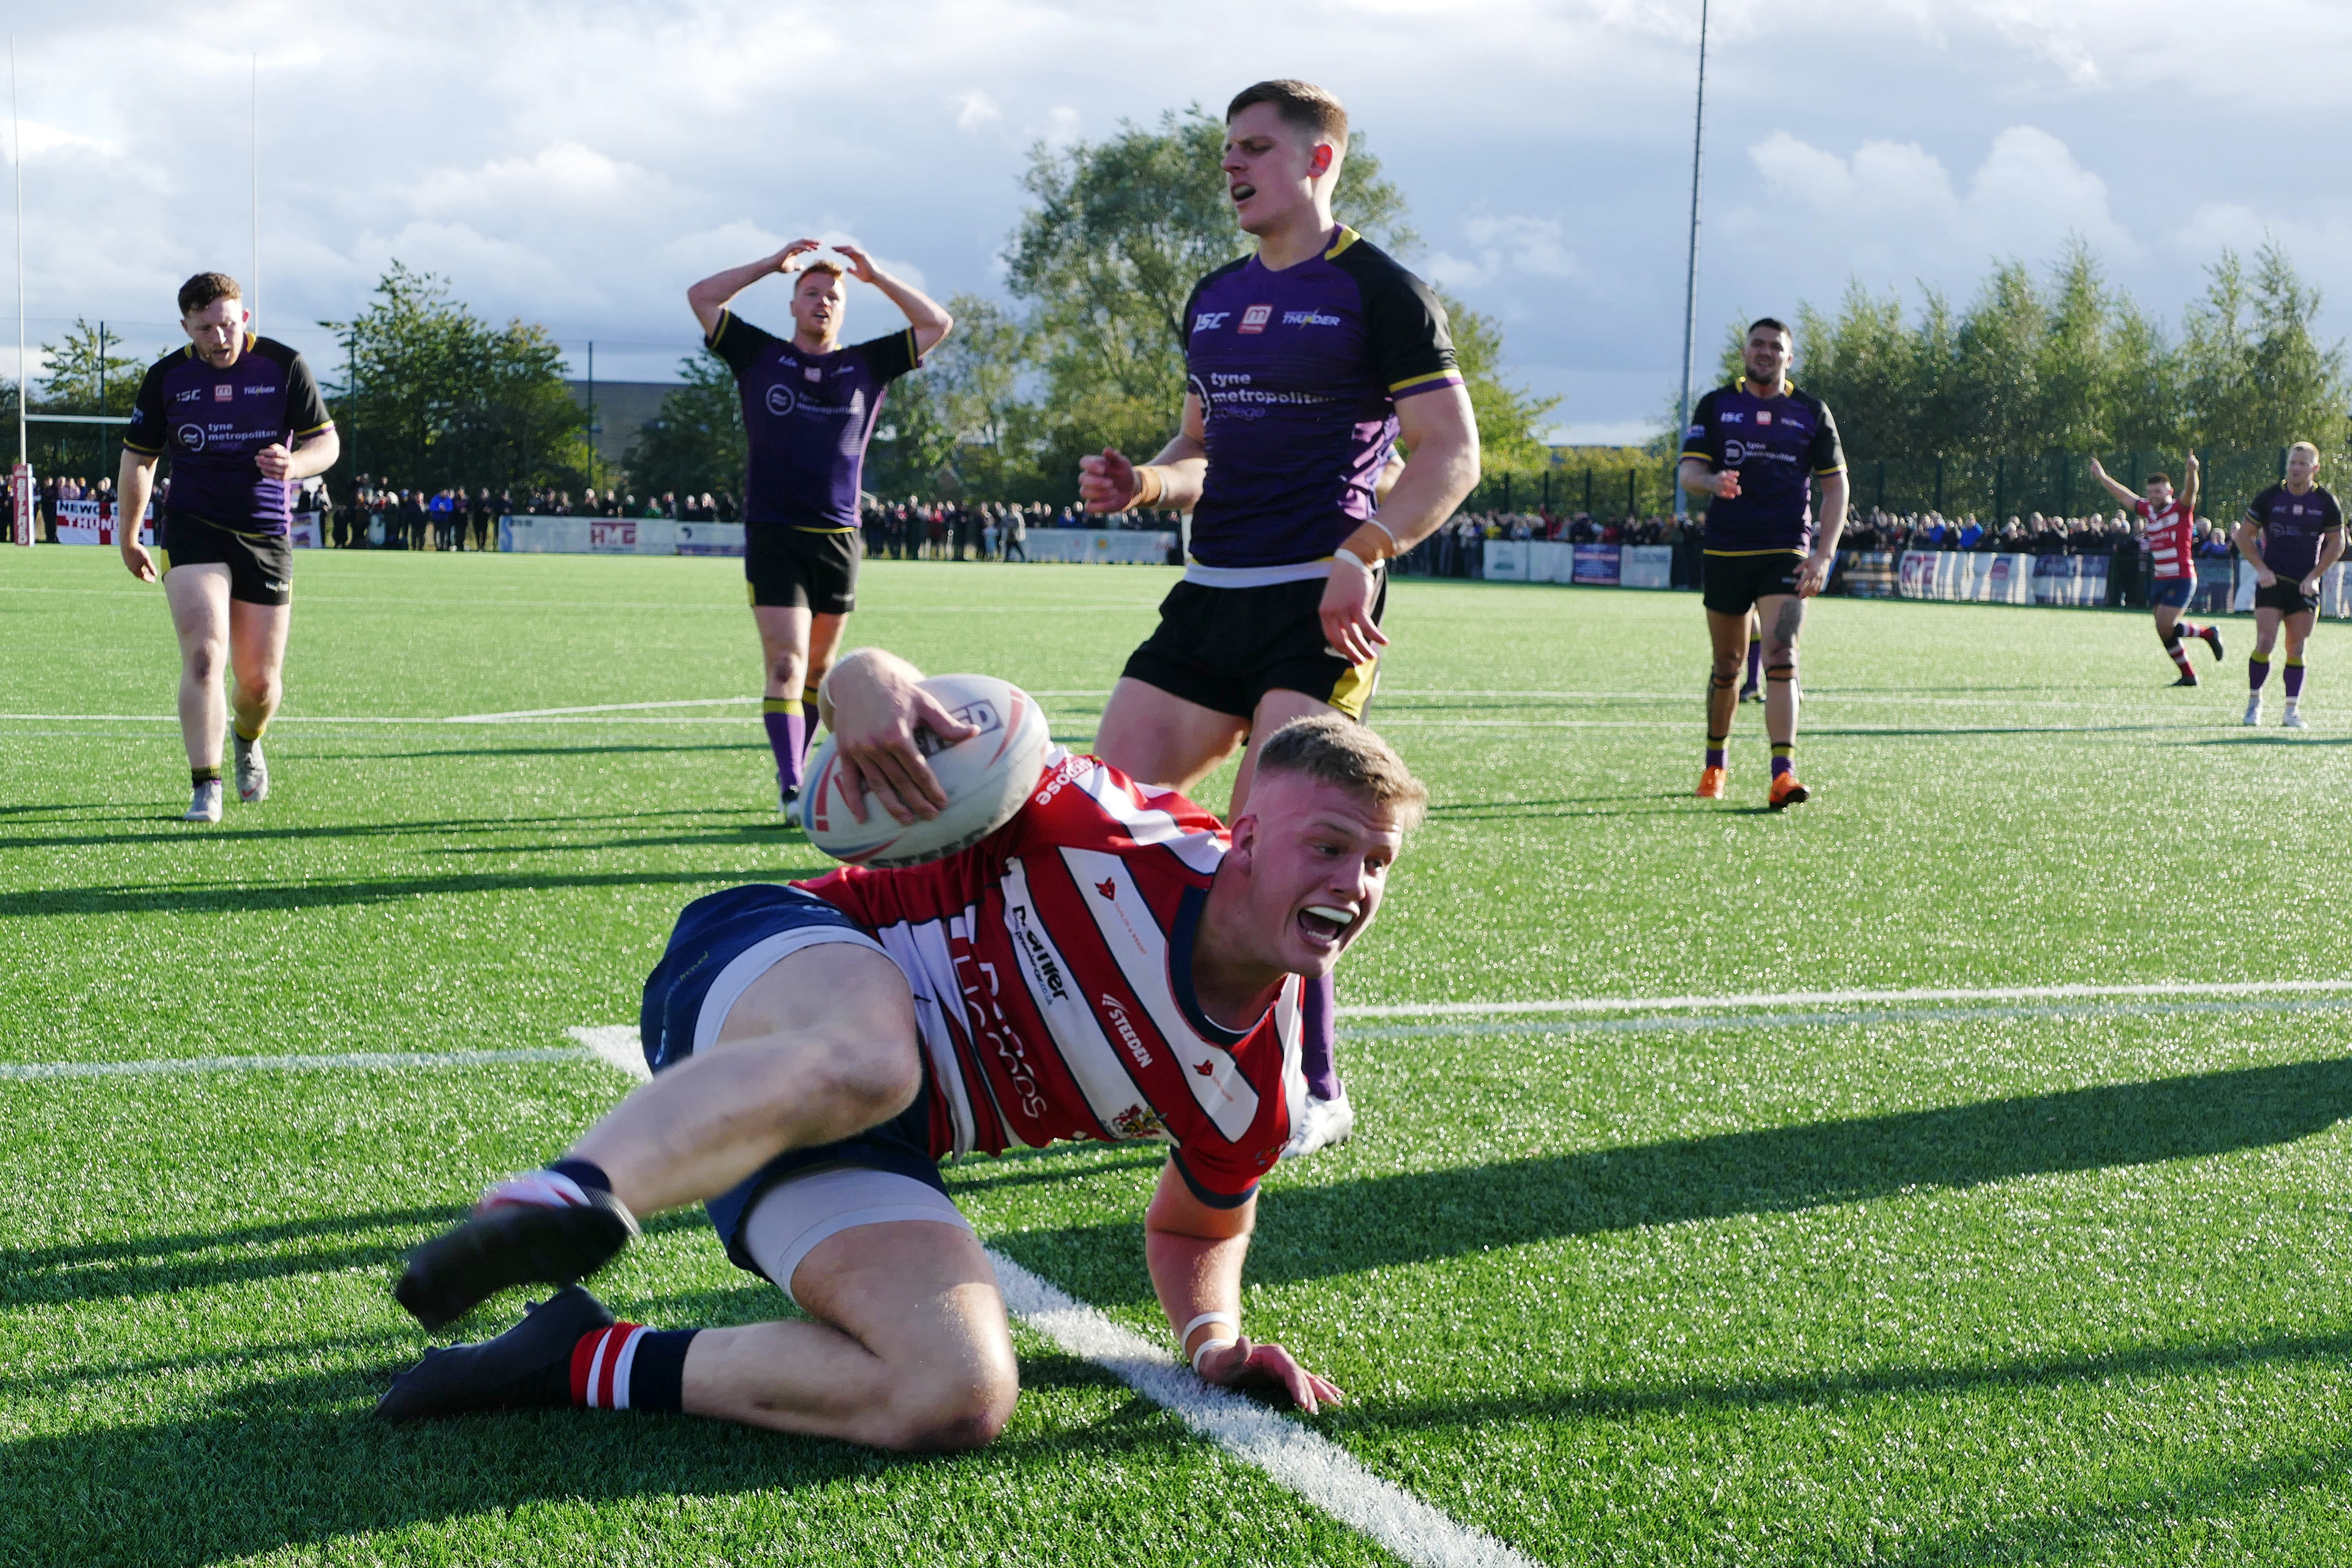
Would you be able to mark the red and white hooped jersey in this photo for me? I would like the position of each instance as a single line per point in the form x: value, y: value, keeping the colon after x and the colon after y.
x: 2170, y: 536
x: 1051, y: 965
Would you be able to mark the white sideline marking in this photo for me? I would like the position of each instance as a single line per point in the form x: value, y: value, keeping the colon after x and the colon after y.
x: 1309, y: 1464
x: 594, y: 707
x: 616, y: 1046
x: 1702, y: 1023
x: 373, y: 1061
x: 1836, y: 998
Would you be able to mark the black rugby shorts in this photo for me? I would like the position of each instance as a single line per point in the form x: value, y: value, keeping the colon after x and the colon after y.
x: 1225, y: 648
x: 812, y: 569
x: 260, y: 565
x: 1734, y: 582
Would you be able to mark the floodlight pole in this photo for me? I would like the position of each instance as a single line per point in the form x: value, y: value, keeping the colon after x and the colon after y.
x: 253, y: 289
x: 20, y: 480
x: 1690, y: 278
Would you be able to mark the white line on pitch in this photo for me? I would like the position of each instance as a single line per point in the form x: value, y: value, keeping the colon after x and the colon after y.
x: 1309, y: 1464
x: 370, y: 1060
x: 1705, y: 1023
x: 1837, y: 998
x: 595, y: 707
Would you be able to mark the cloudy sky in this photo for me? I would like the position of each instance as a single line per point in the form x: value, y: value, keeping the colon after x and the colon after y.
x: 578, y: 164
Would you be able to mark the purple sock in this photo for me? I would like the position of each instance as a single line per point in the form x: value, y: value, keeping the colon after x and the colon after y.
x: 1755, y: 661
x: 2293, y: 679
x: 810, y: 719
x: 1714, y: 757
x: 787, y: 737
x: 1319, y: 1038
x: 2258, y: 669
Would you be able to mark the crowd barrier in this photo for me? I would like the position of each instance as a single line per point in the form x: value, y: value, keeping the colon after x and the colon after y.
x: 1116, y: 547
x: 2223, y: 583
x: 1983, y: 579
x: 529, y: 533
x: 93, y: 522
x: 1599, y: 565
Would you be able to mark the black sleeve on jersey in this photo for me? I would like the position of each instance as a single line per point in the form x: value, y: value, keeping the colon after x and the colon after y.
x: 887, y: 359
x: 1826, y: 455
x: 1403, y: 319
x: 2335, y: 514
x: 149, y: 431
x: 306, y: 410
x: 738, y: 341
x: 2258, y: 509
x: 1698, y: 436
x: 1215, y: 1200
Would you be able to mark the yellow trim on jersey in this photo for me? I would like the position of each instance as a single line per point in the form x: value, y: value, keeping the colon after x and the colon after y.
x: 134, y: 447
x: 1785, y: 549
x: 725, y: 316
x: 1352, y: 691
x: 162, y: 562
x: 1422, y: 380
x: 1819, y: 473
x: 314, y: 429
x: 1348, y: 237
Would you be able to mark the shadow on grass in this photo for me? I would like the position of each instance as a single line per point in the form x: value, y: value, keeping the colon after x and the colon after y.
x: 300, y: 1460
x: 200, y: 900
x: 2303, y: 739
x: 197, y: 1261
x: 1376, y: 1222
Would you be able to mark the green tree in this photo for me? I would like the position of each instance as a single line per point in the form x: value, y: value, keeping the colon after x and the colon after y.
x: 2073, y: 368
x: 441, y: 397
x: 1510, y: 418
x: 85, y: 375
x: 695, y: 442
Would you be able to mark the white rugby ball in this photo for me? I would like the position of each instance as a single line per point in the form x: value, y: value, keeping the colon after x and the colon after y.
x: 986, y: 778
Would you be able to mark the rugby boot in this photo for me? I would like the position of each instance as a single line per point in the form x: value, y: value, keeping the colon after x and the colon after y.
x: 528, y: 1367
x: 2212, y: 637
x: 2292, y: 720
x: 2253, y: 710
x: 252, y: 769
x: 1785, y: 793
x: 513, y: 1244
x: 1712, y: 782
x: 2188, y: 678
x: 1327, y: 1124
x: 1752, y: 694
x: 205, y: 805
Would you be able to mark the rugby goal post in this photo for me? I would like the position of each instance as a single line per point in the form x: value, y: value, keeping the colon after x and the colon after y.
x: 20, y: 504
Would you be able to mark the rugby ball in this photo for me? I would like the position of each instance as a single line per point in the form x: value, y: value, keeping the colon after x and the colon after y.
x: 986, y: 777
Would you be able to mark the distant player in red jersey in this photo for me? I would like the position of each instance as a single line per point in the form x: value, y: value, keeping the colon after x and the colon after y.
x: 2167, y: 531
x: 1111, y: 964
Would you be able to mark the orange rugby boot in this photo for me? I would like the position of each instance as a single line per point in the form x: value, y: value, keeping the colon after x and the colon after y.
x: 1787, y: 792
x: 1711, y: 782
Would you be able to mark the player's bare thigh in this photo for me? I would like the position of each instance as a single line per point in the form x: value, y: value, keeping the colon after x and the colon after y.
x: 198, y: 596
x: 1160, y: 738
x: 910, y: 1347
x: 2266, y: 627
x: 1275, y: 710
x: 823, y: 644
x: 1727, y: 637
x: 2297, y: 628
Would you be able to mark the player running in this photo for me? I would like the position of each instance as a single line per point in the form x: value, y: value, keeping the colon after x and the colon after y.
x: 809, y: 410
x: 1757, y: 445
x: 1306, y: 363
x: 1110, y: 965
x: 244, y: 422
x: 2168, y: 526
x: 2293, y: 533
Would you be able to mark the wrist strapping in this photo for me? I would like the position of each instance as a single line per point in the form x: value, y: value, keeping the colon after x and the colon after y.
x: 1225, y: 1318
x: 1352, y: 559
x: 1149, y: 491
x: 1208, y: 1345
x: 1396, y: 545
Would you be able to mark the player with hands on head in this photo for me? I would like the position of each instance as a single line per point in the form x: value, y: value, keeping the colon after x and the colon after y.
x: 1307, y: 365
x: 809, y: 410
x: 242, y: 417
x: 1112, y: 964
x: 2293, y: 533
x: 1757, y: 447
x: 2167, y: 530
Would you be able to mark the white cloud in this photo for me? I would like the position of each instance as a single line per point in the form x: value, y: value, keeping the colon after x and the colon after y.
x: 1502, y: 246
x: 976, y: 112
x: 1062, y: 126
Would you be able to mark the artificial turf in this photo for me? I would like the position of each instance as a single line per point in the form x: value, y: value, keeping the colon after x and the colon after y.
x: 1801, y: 1283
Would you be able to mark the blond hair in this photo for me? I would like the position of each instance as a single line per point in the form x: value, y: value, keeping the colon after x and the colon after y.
x: 1336, y: 750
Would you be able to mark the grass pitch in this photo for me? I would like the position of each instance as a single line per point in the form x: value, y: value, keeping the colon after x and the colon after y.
x: 1974, y: 1280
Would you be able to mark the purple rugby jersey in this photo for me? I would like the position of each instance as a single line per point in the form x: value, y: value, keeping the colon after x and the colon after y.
x: 807, y: 418
x: 213, y: 421
x: 1780, y: 446
x: 1299, y: 374
x: 2294, y: 528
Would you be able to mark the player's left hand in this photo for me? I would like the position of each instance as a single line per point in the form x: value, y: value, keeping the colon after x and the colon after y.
x: 1814, y: 576
x: 1347, y: 613
x: 274, y: 460
x: 875, y: 717
x: 1246, y: 1364
x: 861, y: 266
x: 2311, y: 587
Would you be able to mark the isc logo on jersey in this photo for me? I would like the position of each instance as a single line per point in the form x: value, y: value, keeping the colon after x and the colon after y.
x: 1209, y: 321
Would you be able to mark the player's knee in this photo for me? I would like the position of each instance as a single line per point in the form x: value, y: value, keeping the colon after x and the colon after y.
x: 879, y: 1074
x: 259, y: 689
x: 1725, y: 669
x: 951, y: 1411
x: 203, y: 661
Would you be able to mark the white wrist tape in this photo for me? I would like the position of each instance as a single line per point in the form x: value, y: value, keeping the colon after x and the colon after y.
x: 1352, y: 559
x: 1394, y: 542
x: 1208, y: 1345
x: 1225, y: 1318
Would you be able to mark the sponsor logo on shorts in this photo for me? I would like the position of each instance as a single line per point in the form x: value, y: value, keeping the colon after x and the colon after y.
x: 1308, y: 318
x: 781, y: 400
x: 1209, y: 321
x: 1254, y: 319
x: 1118, y: 1016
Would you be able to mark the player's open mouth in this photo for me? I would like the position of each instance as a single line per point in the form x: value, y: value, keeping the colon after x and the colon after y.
x: 1324, y: 924
x: 1243, y: 192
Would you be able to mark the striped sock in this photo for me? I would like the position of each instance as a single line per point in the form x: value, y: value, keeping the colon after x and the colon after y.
x: 630, y: 1367
x: 1783, y: 757
x: 787, y: 737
